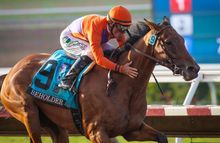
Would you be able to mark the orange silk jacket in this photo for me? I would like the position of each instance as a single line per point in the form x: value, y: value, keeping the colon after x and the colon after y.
x: 94, y: 30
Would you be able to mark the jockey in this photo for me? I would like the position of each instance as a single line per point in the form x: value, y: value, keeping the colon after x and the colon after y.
x: 87, y: 37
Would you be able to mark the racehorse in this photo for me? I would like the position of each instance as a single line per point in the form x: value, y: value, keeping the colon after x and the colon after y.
x: 103, y: 117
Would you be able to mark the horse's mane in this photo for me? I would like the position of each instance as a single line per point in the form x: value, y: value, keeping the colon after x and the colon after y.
x: 137, y: 31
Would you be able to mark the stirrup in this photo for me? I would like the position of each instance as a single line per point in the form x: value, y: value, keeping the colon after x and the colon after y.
x: 73, y: 89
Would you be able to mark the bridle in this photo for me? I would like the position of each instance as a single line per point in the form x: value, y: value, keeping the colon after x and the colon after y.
x: 170, y: 64
x: 155, y: 37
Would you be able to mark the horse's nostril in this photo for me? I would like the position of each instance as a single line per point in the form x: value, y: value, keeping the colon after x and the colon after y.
x: 192, y: 69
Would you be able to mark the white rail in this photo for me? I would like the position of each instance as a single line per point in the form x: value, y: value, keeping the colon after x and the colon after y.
x: 208, y: 73
x: 4, y: 70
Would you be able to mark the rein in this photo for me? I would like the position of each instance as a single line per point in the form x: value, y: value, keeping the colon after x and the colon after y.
x: 153, y: 59
x: 152, y: 42
x: 111, y: 83
x: 147, y: 56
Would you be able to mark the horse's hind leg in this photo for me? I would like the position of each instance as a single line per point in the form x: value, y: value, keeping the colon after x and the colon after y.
x: 58, y: 134
x: 146, y: 133
x: 32, y: 124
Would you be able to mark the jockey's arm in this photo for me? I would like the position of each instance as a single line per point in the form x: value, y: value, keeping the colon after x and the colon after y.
x: 97, y: 51
x: 94, y: 37
x: 100, y: 59
x: 106, y: 63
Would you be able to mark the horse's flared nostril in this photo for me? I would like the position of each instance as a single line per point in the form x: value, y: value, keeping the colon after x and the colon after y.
x: 194, y: 69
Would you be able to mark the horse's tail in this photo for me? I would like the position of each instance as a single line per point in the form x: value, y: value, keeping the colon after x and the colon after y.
x: 2, y: 77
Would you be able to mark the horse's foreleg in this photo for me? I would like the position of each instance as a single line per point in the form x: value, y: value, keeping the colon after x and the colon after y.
x: 58, y: 135
x: 99, y: 136
x: 146, y: 133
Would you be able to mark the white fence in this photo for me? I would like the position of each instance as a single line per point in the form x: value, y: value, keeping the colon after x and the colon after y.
x: 208, y: 73
x: 4, y: 70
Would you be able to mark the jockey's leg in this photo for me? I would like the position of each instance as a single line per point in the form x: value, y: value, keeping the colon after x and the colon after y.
x: 145, y: 133
x: 75, y: 69
x: 75, y: 47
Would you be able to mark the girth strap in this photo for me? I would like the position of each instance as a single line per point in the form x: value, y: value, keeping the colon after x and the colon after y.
x: 77, y: 118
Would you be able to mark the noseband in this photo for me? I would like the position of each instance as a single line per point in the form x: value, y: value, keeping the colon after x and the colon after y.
x: 156, y: 37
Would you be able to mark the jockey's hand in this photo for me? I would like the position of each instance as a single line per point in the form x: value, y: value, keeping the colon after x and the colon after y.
x: 128, y: 70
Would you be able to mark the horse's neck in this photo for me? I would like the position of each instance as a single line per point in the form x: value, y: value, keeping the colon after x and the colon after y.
x: 144, y: 65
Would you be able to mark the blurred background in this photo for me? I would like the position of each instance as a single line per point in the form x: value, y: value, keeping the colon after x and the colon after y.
x: 30, y: 26
x: 34, y: 26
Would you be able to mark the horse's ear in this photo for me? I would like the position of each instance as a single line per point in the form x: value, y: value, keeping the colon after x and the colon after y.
x: 151, y: 25
x: 166, y: 20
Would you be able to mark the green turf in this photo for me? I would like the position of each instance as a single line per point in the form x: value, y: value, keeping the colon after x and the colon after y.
x: 80, y: 139
x: 19, y: 4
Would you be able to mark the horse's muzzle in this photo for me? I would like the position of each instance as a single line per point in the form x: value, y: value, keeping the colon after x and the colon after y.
x: 190, y: 72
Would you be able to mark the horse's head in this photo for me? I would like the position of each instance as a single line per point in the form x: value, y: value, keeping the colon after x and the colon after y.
x: 170, y: 50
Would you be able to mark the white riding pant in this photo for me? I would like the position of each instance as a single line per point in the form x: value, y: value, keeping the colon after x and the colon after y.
x: 76, y: 47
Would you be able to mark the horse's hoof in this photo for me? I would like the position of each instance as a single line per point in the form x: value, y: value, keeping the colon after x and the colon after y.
x: 161, y: 138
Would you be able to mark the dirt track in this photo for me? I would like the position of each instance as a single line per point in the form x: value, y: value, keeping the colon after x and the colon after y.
x: 17, y: 43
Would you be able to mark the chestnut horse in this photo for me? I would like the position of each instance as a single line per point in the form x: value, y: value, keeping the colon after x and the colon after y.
x: 103, y: 117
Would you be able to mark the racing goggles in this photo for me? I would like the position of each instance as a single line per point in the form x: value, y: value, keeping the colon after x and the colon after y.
x: 121, y: 28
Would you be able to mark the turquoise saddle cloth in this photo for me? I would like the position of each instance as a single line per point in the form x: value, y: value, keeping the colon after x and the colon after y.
x: 44, y: 84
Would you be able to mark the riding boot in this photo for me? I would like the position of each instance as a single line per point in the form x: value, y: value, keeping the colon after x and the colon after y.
x: 75, y: 69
